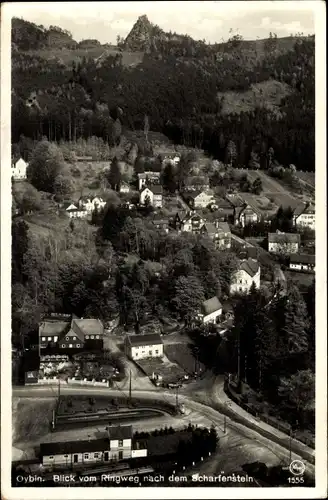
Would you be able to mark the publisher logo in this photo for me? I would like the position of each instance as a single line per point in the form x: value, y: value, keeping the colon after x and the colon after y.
x: 297, y: 467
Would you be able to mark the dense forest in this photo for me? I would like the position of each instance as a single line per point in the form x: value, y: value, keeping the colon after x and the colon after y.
x: 181, y: 85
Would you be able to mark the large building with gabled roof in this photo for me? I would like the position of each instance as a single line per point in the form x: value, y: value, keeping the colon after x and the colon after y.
x: 69, y: 333
x: 119, y: 444
x: 247, y: 274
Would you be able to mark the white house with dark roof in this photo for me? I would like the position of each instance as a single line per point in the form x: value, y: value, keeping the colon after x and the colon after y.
x: 154, y: 195
x: 199, y: 199
x: 18, y: 169
x: 144, y: 346
x: 211, y: 310
x: 284, y: 243
x: 247, y: 274
x: 74, y: 212
x: 302, y: 262
x: 119, y: 444
x: 304, y: 215
x: 148, y: 178
x: 191, y: 222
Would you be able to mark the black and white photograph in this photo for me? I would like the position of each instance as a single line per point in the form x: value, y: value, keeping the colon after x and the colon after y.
x: 163, y: 255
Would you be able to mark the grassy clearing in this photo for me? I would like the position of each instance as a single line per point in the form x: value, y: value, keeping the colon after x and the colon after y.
x: 32, y: 418
x: 267, y: 94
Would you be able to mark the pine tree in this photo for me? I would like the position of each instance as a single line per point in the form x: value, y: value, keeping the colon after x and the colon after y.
x: 114, y: 175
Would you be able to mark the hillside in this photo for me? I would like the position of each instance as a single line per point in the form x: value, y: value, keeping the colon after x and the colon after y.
x: 259, y: 95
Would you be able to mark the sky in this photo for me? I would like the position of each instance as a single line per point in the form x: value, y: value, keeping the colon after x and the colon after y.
x: 207, y: 20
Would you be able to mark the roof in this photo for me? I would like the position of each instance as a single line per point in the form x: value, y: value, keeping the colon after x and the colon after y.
x: 211, y: 305
x: 53, y: 327
x: 85, y: 446
x: 87, y: 326
x: 149, y: 339
x: 304, y: 258
x: 250, y: 266
x: 120, y: 432
x: 209, y: 227
x: 194, y: 194
x: 284, y: 238
x: 224, y: 226
x: 144, y: 175
x: 154, y: 188
x: 247, y: 206
x: 304, y: 208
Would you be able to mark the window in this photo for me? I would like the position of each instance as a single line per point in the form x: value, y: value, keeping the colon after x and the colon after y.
x: 136, y: 353
x: 120, y: 443
x: 67, y: 338
x: 97, y: 337
x: 86, y: 456
x: 78, y: 345
x: 51, y: 457
x: 150, y: 353
x: 87, y: 336
x: 240, y: 289
x: 65, y: 456
x: 92, y: 336
x: 43, y: 338
x: 74, y: 338
x: 64, y: 345
x: 70, y: 345
x: 96, y: 455
x: 241, y: 282
x: 157, y: 351
x: 49, y: 338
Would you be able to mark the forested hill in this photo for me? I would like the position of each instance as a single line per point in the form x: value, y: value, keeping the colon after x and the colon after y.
x: 237, y: 99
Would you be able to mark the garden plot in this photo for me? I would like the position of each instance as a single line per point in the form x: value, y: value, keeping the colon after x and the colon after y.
x: 182, y: 355
x: 163, y: 367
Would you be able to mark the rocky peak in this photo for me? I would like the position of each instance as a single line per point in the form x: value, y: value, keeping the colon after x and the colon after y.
x: 141, y: 35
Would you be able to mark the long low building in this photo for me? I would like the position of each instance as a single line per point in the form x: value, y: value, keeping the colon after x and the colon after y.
x: 302, y: 262
x: 144, y: 346
x: 118, y: 445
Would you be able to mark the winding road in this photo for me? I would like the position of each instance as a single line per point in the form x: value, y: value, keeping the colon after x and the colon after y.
x: 238, y: 444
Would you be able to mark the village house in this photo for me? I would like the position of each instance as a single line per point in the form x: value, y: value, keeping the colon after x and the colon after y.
x: 73, y: 212
x: 196, y: 183
x: 211, y: 310
x: 219, y: 232
x: 283, y: 243
x: 124, y: 188
x: 70, y: 334
x: 199, y: 199
x: 117, y: 445
x: 247, y: 274
x: 144, y: 346
x: 90, y: 204
x: 148, y: 178
x: 224, y: 210
x: 173, y: 158
x: 246, y: 214
x: 304, y: 216
x: 18, y: 170
x: 302, y: 262
x: 161, y: 223
x: 154, y: 195
x: 192, y: 223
